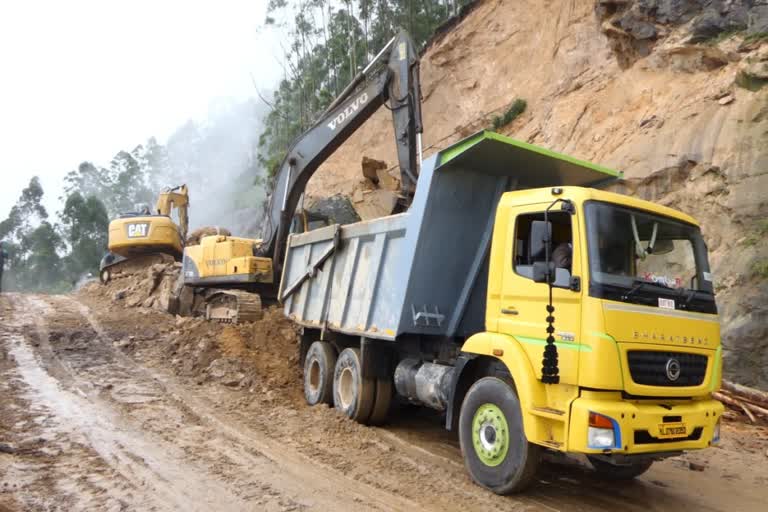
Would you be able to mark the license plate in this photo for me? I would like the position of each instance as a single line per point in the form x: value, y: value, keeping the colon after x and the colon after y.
x: 672, y: 430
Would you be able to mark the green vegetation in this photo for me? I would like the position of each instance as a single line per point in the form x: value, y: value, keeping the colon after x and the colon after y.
x: 513, y: 112
x: 217, y: 160
x: 722, y: 36
x: 760, y: 268
x: 759, y: 36
x: 762, y: 227
x: 750, y: 82
x: 759, y: 234
x: 33, y: 245
x: 328, y: 44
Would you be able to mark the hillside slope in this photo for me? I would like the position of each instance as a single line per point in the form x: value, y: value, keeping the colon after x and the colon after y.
x: 621, y: 84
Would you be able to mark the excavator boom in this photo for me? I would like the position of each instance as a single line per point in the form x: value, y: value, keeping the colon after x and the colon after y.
x: 231, y: 269
x: 397, y: 83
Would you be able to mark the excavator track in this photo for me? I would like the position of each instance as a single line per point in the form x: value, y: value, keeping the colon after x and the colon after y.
x: 233, y: 306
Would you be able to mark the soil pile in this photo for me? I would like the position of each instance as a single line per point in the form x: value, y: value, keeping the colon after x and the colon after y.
x: 149, y: 287
x: 260, y: 356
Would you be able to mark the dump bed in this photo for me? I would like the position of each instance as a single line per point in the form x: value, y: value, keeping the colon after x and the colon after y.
x: 423, y: 271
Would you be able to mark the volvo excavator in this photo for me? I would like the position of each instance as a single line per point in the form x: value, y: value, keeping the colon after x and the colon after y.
x: 138, y: 239
x: 235, y: 273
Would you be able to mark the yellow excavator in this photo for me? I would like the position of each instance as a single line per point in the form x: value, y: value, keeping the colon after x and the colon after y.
x: 230, y: 277
x: 233, y: 274
x: 139, y: 239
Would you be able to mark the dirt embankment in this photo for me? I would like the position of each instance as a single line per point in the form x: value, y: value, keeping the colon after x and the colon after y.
x: 671, y: 93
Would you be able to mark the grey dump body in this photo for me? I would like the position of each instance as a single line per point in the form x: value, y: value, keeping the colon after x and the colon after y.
x: 424, y: 271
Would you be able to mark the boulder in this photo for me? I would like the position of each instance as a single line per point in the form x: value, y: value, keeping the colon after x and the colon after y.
x: 337, y: 209
x: 707, y: 26
x: 226, y: 371
x: 757, y: 20
x: 371, y: 168
x: 376, y: 204
x: 196, y: 235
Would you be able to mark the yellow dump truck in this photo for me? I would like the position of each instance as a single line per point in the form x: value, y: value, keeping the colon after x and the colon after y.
x: 537, y: 311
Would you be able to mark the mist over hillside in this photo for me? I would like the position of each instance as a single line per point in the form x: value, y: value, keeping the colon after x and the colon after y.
x: 217, y: 159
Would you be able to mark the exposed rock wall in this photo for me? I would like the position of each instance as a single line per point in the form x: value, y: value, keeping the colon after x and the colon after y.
x: 669, y: 91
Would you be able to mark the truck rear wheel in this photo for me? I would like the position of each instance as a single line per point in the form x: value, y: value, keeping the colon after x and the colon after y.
x: 616, y: 472
x: 496, y: 452
x: 353, y: 395
x: 319, y: 365
x: 382, y: 401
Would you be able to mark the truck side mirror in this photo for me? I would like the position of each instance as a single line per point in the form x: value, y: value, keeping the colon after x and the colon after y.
x: 540, y: 272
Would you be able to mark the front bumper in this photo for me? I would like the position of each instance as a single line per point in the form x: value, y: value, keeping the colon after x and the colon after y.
x: 639, y: 423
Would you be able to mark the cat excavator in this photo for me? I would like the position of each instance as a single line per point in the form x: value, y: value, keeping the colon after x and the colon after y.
x: 233, y: 274
x: 139, y: 239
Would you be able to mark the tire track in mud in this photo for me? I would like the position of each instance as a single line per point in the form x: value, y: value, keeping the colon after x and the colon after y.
x: 149, y: 432
x: 77, y: 411
x: 403, y: 480
x: 124, y: 432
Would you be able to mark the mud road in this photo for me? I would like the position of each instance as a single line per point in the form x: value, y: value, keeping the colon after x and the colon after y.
x: 108, y: 408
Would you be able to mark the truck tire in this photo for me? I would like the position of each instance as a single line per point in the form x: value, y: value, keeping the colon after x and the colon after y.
x: 353, y: 395
x: 319, y: 365
x: 382, y: 401
x: 496, y: 452
x: 614, y: 472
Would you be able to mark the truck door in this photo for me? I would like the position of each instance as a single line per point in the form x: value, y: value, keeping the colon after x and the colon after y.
x: 523, y: 302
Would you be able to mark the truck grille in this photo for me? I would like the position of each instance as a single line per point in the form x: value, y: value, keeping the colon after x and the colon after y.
x: 658, y: 368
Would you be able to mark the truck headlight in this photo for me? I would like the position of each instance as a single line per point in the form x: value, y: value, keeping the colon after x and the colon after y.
x: 716, y: 433
x: 603, y: 432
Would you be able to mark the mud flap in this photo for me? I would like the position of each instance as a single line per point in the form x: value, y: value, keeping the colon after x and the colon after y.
x: 452, y: 419
x: 376, y: 359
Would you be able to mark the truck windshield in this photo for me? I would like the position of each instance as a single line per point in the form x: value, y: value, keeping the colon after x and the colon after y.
x: 638, y: 257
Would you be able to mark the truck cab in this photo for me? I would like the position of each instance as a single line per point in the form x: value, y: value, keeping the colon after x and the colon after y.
x: 635, y: 322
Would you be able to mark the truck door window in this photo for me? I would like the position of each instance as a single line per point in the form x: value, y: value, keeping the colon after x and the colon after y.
x: 530, y: 231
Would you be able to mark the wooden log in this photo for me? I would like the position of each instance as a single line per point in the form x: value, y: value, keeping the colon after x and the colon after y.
x: 740, y: 405
x: 742, y: 398
x: 748, y: 413
x: 755, y: 396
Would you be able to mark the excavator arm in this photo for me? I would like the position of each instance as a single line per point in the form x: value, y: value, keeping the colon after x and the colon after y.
x: 176, y: 197
x: 397, y: 83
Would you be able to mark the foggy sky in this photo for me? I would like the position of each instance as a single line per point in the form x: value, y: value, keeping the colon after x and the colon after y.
x: 82, y: 79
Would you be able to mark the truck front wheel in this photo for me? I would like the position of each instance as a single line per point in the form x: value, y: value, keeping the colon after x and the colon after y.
x: 353, y: 395
x: 616, y: 472
x: 496, y: 452
x: 319, y: 365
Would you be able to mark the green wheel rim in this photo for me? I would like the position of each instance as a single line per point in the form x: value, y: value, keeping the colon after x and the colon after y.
x: 490, y: 435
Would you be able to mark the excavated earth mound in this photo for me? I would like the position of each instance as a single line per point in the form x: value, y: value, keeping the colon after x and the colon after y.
x: 260, y: 356
x: 150, y: 287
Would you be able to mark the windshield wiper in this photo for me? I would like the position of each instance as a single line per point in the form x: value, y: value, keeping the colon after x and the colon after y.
x: 691, y: 294
x: 637, y: 285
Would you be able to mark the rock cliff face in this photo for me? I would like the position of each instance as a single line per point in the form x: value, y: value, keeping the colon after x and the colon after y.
x: 669, y: 91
